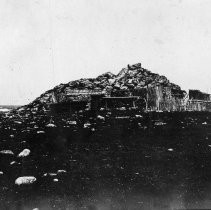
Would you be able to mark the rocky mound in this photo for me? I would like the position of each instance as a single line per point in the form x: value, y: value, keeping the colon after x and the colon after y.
x: 131, y: 78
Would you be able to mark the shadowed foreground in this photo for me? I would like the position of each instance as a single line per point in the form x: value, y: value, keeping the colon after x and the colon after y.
x: 119, y: 160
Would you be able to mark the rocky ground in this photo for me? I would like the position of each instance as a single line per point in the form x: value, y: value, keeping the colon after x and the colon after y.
x: 106, y: 160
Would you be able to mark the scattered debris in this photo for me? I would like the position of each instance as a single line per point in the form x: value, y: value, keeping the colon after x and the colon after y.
x: 50, y: 174
x: 139, y: 116
x: 71, y: 122
x: 122, y: 117
x: 160, y: 123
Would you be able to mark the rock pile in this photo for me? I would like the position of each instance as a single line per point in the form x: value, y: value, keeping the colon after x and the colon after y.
x: 132, y: 78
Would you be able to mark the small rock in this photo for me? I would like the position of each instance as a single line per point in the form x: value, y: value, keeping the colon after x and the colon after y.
x: 4, y: 110
x: 160, y: 123
x: 170, y: 150
x: 100, y: 117
x: 71, y: 122
x: 122, y: 108
x: 204, y: 123
x: 55, y: 180
x: 6, y: 152
x: 1, y: 173
x: 17, y: 122
x: 40, y: 132
x: 87, y: 125
x: 50, y: 174
x: 61, y: 171
x: 50, y: 125
x: 24, y: 153
x: 25, y: 180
